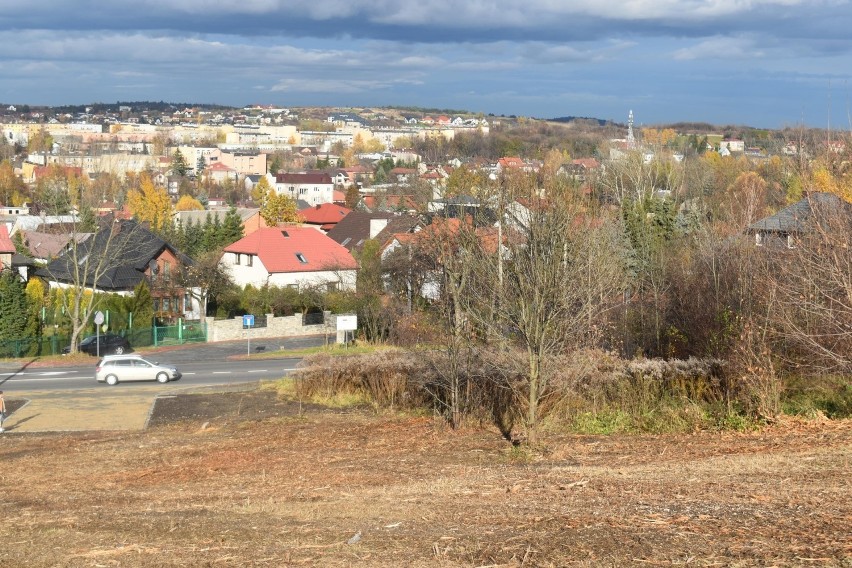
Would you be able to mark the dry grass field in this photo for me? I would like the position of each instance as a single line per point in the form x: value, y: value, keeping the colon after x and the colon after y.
x: 243, y: 480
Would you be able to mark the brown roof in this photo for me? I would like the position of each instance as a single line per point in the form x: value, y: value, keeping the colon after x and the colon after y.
x: 304, y: 178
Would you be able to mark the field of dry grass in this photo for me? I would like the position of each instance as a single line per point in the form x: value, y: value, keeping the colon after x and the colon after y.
x: 291, y: 490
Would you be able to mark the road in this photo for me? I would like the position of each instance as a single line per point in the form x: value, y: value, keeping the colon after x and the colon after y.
x: 66, y: 398
x: 206, y: 373
x: 200, y: 364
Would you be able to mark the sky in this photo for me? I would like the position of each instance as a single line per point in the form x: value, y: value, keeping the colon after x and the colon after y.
x: 761, y: 63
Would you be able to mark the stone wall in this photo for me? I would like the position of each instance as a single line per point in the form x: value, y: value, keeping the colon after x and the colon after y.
x: 285, y: 326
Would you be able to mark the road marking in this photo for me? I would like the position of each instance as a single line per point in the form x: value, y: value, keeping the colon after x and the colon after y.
x: 258, y: 371
x: 221, y: 372
x: 45, y: 379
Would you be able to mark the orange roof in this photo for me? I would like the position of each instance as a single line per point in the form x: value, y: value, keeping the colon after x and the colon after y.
x: 294, y: 249
x: 511, y: 162
x: 325, y: 213
x: 6, y: 244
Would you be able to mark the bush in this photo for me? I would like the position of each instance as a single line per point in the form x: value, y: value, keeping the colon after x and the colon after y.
x: 384, y: 377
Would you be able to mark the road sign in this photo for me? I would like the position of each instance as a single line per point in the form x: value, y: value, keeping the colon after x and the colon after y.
x: 99, y: 318
x: 347, y: 322
x: 248, y: 321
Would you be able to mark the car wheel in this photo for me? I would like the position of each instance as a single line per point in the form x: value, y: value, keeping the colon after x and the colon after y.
x: 111, y: 380
x: 119, y: 350
x: 162, y: 378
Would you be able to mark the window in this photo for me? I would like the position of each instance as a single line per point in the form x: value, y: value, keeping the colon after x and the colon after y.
x: 187, y: 302
x: 301, y: 258
x: 156, y: 304
x: 331, y: 286
x: 167, y: 306
x: 758, y: 239
x: 236, y: 258
x: 167, y: 269
x: 249, y: 260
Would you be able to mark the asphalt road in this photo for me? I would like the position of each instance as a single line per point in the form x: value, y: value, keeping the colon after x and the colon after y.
x: 201, y: 364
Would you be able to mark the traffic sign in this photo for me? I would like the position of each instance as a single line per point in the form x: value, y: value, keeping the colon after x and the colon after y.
x: 248, y: 321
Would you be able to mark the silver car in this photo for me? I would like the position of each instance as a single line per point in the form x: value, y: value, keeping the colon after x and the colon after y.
x: 114, y: 369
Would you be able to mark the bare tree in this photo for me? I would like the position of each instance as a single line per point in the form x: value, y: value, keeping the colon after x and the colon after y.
x: 564, y: 269
x: 811, y: 278
x: 102, y: 262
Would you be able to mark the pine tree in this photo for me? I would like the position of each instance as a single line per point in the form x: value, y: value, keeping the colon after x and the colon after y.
x: 232, y: 228
x: 14, y: 306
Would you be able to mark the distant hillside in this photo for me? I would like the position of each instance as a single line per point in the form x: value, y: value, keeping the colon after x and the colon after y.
x: 600, y: 121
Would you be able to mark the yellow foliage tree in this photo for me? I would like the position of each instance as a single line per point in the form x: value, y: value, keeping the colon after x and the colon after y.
x: 150, y: 203
x: 188, y: 203
x: 279, y: 209
x: 823, y: 180
x: 260, y: 191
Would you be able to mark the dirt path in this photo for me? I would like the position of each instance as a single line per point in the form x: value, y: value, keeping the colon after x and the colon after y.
x: 275, y: 489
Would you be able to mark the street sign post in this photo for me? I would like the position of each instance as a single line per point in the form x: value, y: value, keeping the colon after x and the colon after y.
x: 347, y: 323
x: 248, y: 323
x: 99, y: 319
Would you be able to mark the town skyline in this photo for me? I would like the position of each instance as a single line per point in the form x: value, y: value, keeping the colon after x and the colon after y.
x: 766, y: 64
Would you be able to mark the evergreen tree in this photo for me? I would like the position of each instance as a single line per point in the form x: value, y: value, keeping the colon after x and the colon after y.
x: 14, y: 306
x: 232, y: 228
x: 88, y: 220
x: 179, y: 165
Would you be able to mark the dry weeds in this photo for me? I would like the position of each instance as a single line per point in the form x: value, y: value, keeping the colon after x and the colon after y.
x: 293, y: 491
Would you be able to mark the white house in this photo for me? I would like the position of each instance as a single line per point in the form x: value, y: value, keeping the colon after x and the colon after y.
x: 300, y: 257
x: 313, y: 188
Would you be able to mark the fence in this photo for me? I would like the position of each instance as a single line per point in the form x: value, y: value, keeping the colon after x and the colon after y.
x: 185, y: 332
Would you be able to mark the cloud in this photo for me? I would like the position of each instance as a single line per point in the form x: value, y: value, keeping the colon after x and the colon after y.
x: 720, y: 48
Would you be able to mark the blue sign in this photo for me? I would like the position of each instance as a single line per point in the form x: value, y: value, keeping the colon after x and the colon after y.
x: 248, y: 320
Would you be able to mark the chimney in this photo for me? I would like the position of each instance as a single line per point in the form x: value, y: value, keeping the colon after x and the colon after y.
x: 376, y: 226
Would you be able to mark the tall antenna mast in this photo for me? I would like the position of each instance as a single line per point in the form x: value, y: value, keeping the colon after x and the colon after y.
x: 631, y: 141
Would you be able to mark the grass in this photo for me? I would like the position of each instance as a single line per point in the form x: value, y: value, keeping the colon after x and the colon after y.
x: 810, y: 397
x: 288, y: 390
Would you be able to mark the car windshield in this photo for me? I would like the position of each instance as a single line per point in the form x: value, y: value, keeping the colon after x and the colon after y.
x: 88, y: 341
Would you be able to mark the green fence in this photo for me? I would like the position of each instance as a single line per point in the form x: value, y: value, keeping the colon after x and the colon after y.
x: 185, y: 332
x: 33, y: 347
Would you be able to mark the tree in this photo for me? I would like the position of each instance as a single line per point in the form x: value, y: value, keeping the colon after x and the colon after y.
x: 12, y: 188
x: 465, y: 181
x: 260, y: 191
x: 810, y: 287
x: 279, y: 208
x: 179, y: 166
x: 14, y: 306
x: 353, y: 196
x: 232, y: 228
x: 188, y: 203
x: 150, y: 203
x: 86, y: 264
x: 204, y: 279
x: 563, y: 270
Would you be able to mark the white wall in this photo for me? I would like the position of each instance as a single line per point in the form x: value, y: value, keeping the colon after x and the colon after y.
x: 257, y: 275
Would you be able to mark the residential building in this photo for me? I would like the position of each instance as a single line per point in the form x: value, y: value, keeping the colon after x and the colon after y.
x: 299, y: 257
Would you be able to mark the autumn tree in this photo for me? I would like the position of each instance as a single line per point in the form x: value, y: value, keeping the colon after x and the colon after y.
x: 150, y: 203
x: 188, y: 203
x: 12, y: 188
x: 260, y: 191
x: 279, y: 208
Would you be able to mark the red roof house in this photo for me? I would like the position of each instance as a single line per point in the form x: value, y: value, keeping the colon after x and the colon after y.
x: 290, y: 255
x: 325, y: 215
